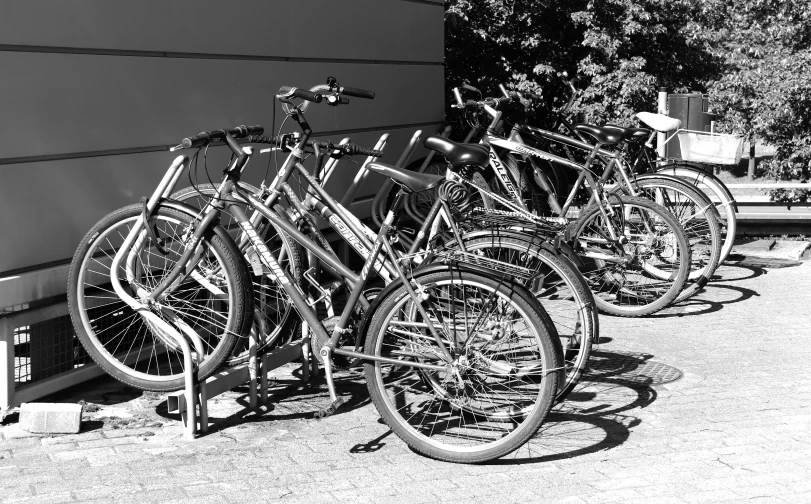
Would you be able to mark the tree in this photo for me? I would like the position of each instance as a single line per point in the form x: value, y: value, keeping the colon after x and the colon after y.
x: 765, y: 89
x: 620, y: 50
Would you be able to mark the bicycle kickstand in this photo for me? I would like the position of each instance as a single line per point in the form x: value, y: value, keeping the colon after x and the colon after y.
x: 335, y: 401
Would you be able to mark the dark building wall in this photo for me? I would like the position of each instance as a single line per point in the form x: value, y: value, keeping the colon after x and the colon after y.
x: 92, y: 91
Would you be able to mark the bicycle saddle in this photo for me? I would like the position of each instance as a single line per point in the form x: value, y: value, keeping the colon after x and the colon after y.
x: 410, y: 180
x: 603, y: 136
x: 630, y: 134
x: 459, y: 153
x: 659, y: 122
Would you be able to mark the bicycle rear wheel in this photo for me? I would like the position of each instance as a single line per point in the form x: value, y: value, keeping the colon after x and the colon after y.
x: 558, y: 285
x: 647, y: 272
x: 214, y: 300
x: 722, y: 199
x: 695, y: 214
x: 501, y: 384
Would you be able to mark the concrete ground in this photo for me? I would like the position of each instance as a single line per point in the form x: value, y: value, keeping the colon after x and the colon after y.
x: 733, y: 427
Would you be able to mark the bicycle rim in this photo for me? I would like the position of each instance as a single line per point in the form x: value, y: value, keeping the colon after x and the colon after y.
x: 643, y: 275
x: 497, y: 395
x: 210, y: 301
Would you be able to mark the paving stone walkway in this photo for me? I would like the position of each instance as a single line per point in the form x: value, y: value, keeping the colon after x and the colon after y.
x: 734, y: 426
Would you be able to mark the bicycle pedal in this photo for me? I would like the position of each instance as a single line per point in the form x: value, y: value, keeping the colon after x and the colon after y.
x: 329, y: 410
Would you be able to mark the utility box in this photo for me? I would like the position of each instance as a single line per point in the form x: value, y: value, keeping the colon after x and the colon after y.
x: 692, y: 110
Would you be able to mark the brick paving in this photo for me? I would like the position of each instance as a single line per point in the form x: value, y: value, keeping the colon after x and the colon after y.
x: 734, y: 428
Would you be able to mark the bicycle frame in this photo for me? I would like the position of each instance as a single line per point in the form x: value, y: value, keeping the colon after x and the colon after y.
x: 491, y: 140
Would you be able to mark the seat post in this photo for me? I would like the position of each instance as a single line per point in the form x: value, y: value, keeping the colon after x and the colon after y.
x: 592, y: 155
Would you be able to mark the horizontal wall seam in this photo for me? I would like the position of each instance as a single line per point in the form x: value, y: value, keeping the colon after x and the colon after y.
x: 191, y: 55
x: 159, y: 148
x: 427, y: 2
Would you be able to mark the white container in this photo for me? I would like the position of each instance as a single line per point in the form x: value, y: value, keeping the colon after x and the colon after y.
x: 711, y: 148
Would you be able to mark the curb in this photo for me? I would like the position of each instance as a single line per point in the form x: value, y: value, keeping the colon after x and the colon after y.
x: 775, y: 249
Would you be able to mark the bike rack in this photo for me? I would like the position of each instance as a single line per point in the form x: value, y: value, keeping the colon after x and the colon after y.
x: 379, y: 203
x: 254, y: 372
x: 196, y: 393
x: 363, y: 172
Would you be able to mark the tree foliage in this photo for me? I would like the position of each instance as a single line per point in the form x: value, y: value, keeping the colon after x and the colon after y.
x: 621, y: 50
x: 751, y: 56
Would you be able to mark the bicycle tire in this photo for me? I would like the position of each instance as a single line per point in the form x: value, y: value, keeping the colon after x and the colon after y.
x: 105, y: 324
x: 561, y: 289
x: 624, y: 288
x: 527, y: 385
x: 693, y: 210
x: 725, y: 207
x: 278, y: 315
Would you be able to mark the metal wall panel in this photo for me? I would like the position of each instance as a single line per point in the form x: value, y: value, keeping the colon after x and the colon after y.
x: 90, y: 77
x: 47, y: 207
x: 62, y: 103
x: 367, y: 29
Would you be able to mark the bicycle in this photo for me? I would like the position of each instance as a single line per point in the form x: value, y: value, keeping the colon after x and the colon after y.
x: 636, y: 280
x: 557, y: 283
x: 691, y: 207
x: 647, y: 162
x: 463, y: 366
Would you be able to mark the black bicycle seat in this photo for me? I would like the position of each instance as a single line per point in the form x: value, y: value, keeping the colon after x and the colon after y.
x: 459, y: 153
x: 603, y: 136
x: 411, y: 180
x: 630, y: 134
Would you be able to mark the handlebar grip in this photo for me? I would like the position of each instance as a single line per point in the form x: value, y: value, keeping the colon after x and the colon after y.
x: 471, y: 105
x: 244, y: 131
x: 262, y: 139
x: 205, y: 137
x: 197, y: 140
x: 358, y: 93
x: 294, y: 92
x: 352, y: 150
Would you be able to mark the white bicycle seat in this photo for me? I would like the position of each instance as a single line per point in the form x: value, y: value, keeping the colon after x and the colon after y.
x: 659, y: 122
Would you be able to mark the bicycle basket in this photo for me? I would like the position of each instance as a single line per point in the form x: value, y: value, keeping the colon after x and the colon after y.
x: 711, y: 148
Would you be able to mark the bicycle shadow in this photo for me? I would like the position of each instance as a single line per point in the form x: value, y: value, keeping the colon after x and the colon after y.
x: 717, y: 293
x: 289, y: 398
x: 714, y: 297
x: 599, y: 415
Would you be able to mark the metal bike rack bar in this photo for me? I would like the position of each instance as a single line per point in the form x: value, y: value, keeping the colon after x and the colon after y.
x: 254, y: 372
x: 363, y: 172
x: 379, y: 202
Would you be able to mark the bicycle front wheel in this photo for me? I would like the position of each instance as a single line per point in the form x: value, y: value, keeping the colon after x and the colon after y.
x: 645, y: 268
x: 274, y: 314
x: 502, y: 380
x: 214, y: 299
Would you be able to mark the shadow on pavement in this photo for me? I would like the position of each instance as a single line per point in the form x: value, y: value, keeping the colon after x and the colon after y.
x: 288, y: 399
x: 598, y: 415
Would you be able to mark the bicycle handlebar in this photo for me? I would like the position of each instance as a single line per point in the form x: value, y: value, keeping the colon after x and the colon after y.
x: 206, y: 137
x: 348, y: 149
x: 358, y: 93
x: 294, y: 92
x: 496, y: 103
